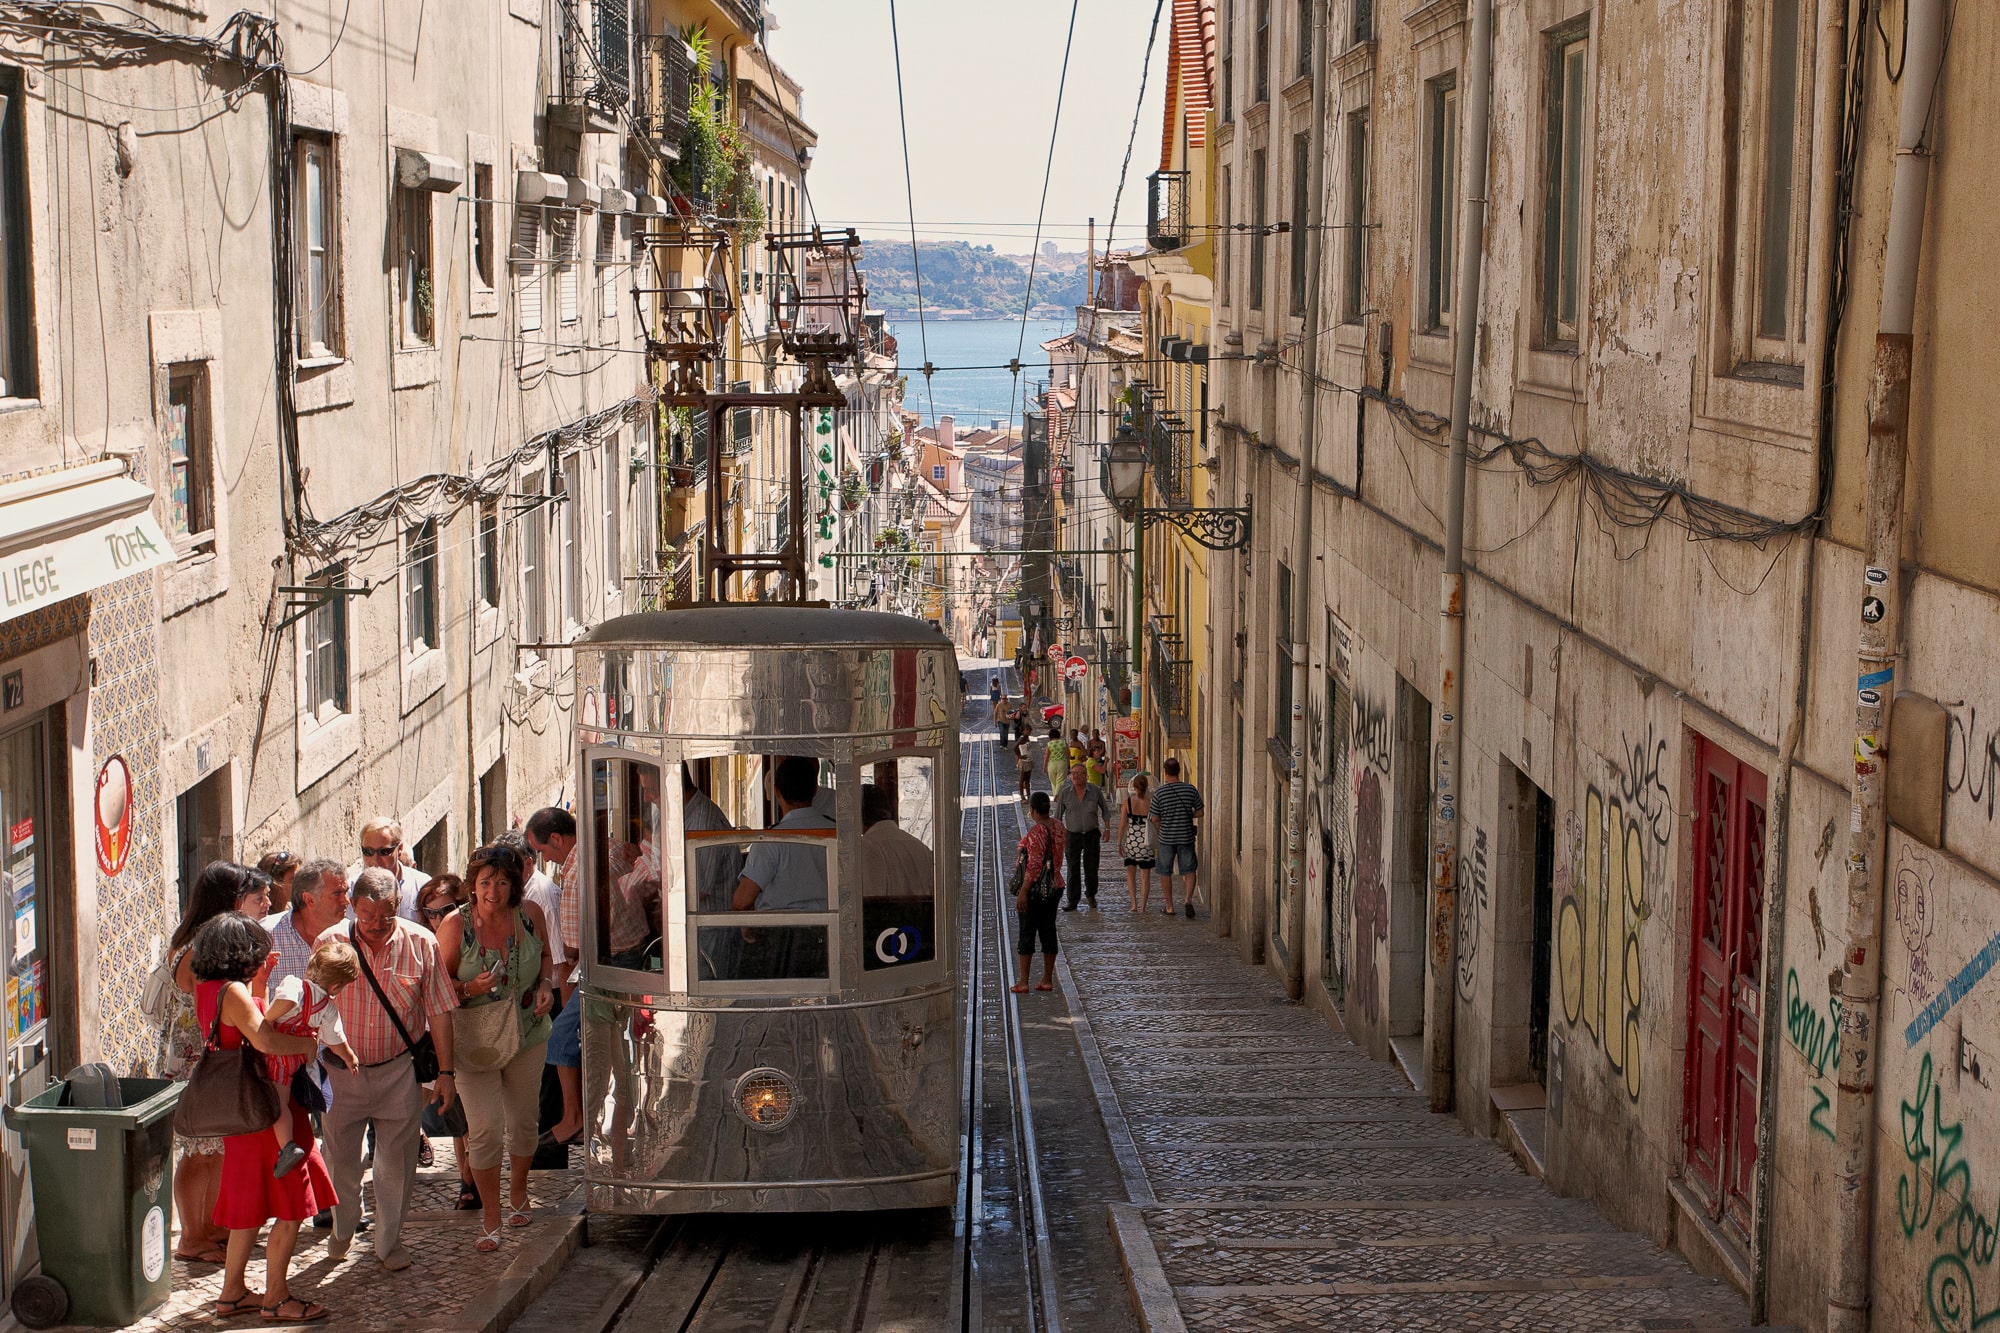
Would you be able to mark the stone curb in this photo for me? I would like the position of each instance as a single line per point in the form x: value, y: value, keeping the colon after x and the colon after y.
x: 530, y: 1274
x: 1152, y: 1295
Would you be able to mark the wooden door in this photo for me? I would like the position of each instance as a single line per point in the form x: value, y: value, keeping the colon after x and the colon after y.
x: 1725, y: 986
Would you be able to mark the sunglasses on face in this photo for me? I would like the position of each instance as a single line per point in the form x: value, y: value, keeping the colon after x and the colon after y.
x: 378, y: 851
x: 438, y: 913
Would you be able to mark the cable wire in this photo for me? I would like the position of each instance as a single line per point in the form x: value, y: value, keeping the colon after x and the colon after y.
x: 1041, y: 211
x: 910, y: 196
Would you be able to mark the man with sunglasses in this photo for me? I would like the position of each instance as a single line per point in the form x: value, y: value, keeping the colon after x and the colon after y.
x: 382, y: 849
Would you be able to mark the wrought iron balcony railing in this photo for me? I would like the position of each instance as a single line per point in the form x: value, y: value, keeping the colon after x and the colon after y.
x: 1172, y: 443
x: 666, y: 90
x: 595, y: 82
x: 1171, y: 674
x: 1166, y: 221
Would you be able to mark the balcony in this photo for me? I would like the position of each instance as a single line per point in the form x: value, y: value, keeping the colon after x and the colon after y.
x: 594, y: 77
x: 1166, y: 217
x: 1170, y: 674
x: 666, y: 91
x: 1171, y: 441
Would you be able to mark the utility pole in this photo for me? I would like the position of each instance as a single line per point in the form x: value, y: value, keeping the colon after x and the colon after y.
x: 1441, y: 992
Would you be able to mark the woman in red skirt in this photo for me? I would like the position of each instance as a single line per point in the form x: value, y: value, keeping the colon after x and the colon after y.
x: 231, y: 955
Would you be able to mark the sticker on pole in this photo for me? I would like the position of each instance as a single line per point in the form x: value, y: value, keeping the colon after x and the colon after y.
x: 1075, y: 669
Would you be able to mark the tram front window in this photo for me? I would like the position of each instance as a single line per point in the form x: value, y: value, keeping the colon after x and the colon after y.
x: 898, y: 864
x: 625, y: 871
x: 784, y: 872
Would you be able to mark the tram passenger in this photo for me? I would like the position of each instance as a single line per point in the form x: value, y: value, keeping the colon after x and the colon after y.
x: 896, y: 864
x: 823, y: 798
x: 786, y: 877
x: 715, y: 869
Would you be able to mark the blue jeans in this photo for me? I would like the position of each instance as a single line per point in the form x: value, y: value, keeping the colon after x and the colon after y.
x: 566, y: 1038
x: 1175, y: 858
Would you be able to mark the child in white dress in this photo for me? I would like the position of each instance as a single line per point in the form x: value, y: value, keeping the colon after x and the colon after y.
x: 303, y: 1006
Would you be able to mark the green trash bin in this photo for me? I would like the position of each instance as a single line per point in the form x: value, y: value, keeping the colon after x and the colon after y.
x: 103, y: 1181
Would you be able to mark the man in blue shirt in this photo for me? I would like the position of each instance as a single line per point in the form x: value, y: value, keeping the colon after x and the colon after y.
x: 787, y: 877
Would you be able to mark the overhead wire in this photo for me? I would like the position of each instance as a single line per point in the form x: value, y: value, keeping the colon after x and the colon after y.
x: 910, y: 197
x: 1041, y: 211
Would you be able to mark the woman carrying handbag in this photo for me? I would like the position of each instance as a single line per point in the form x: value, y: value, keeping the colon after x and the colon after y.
x: 493, y: 947
x: 231, y: 956
x: 1135, y: 840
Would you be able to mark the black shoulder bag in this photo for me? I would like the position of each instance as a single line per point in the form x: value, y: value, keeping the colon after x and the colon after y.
x: 423, y: 1054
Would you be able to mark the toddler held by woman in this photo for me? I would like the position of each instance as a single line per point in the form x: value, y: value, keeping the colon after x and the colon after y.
x: 303, y: 1006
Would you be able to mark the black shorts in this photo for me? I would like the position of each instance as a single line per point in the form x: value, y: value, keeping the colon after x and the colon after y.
x: 1038, y: 920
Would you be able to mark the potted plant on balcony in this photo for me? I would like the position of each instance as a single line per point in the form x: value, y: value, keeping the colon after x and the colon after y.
x: 852, y: 491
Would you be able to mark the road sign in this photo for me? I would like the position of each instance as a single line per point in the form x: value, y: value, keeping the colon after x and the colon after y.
x: 1075, y: 669
x: 1056, y: 653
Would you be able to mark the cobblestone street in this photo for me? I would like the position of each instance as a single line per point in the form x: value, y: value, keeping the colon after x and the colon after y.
x: 1285, y: 1180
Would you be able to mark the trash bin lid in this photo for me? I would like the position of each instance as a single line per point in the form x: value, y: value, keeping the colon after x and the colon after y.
x: 147, y: 1101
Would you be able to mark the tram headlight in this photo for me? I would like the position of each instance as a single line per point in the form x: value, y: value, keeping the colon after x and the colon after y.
x: 766, y: 1099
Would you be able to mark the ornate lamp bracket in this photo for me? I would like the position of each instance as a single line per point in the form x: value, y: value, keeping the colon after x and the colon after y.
x: 1217, y: 529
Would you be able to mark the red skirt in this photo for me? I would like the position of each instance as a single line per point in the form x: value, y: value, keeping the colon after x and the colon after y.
x: 250, y: 1195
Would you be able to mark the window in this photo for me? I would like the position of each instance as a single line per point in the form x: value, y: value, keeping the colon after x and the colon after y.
x: 937, y: 472
x: 1364, y: 20
x: 420, y: 586
x: 488, y: 555
x: 1257, y: 183
x: 1354, y: 238
x: 526, y: 257
x: 614, y: 542
x: 569, y: 502
x: 1228, y: 244
x: 324, y: 632
x: 317, y: 199
x: 416, y: 296
x: 1301, y: 197
x: 1772, y: 196
x: 33, y: 916
x: 1305, y: 38
x: 622, y: 872
x: 562, y: 245
x: 1441, y: 235
x: 898, y: 863
x: 1263, y: 51
x: 607, y: 266
x: 534, y: 559
x: 1281, y: 716
x: 190, y: 473
x: 482, y: 225
x: 17, y: 342
x: 1226, y: 106
x: 1562, y: 215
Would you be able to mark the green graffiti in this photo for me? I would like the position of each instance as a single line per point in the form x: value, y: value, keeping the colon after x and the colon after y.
x: 1815, y: 1035
x: 1936, y: 1169
x: 1817, y: 1120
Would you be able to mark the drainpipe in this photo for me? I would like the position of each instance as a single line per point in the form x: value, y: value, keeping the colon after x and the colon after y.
x: 1441, y: 994
x: 1860, y: 977
x: 1293, y: 927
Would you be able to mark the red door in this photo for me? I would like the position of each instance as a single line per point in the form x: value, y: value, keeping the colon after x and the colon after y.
x: 1725, y: 988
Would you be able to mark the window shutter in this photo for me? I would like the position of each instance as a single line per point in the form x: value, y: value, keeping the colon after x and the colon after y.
x: 527, y: 275
x: 562, y: 227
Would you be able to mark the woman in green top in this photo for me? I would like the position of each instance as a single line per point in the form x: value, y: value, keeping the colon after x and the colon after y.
x: 1055, y: 759
x: 493, y: 949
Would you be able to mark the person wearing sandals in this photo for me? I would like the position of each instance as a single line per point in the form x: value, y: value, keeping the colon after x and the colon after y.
x: 495, y: 949
x: 1135, y: 840
x: 198, y: 1172
x: 1040, y: 866
x: 231, y: 958
x: 442, y: 896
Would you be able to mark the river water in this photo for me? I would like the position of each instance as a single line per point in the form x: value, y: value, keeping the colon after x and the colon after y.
x: 975, y: 397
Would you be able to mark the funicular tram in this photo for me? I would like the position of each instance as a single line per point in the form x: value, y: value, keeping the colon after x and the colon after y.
x: 768, y: 816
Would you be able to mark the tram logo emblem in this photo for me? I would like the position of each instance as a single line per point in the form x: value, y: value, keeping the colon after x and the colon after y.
x: 898, y: 944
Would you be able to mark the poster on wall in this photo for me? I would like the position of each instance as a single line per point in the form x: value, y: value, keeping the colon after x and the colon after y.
x: 1125, y: 743
x: 114, y: 815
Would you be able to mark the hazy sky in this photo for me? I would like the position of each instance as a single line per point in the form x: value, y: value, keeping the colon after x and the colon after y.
x: 979, y: 82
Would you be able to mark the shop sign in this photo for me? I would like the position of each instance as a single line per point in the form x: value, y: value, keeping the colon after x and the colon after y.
x: 38, y: 575
x: 114, y: 815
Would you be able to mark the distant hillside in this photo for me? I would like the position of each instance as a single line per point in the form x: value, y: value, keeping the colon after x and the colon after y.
x: 973, y: 279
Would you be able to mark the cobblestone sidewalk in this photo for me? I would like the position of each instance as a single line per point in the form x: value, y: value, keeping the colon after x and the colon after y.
x: 449, y: 1286
x: 1288, y: 1181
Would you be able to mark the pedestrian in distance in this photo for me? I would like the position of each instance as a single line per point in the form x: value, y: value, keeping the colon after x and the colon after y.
x: 382, y: 848
x: 232, y: 959
x: 304, y: 1007
x: 1135, y: 841
x: 1176, y: 814
x: 552, y: 836
x: 1038, y: 886
x: 1085, y: 813
x: 1024, y: 760
x: 495, y: 949
x: 405, y: 995
x: 280, y: 866
x: 1055, y: 758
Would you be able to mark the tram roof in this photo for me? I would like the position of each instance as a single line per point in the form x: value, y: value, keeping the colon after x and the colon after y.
x: 762, y: 625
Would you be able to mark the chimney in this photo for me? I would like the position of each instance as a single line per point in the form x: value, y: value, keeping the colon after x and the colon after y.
x: 946, y: 432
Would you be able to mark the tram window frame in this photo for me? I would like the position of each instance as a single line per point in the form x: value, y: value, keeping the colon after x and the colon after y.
x: 943, y: 900
x: 599, y: 969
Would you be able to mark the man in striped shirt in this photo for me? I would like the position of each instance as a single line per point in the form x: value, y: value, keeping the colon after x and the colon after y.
x: 1176, y: 808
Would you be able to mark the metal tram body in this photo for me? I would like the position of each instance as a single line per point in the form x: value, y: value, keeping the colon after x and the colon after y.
x: 795, y: 1060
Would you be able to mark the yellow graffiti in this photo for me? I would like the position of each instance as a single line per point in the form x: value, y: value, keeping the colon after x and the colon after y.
x: 1597, y: 933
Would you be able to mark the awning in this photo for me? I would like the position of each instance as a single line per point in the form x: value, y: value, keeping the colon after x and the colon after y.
x: 67, y: 533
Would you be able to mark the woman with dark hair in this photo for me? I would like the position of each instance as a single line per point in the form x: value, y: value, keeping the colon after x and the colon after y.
x: 440, y: 897
x: 494, y: 947
x: 231, y: 958
x: 199, y: 1170
x: 253, y: 899
x: 280, y: 866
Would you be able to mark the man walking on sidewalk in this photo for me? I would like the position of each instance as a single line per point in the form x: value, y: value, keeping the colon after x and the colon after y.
x: 1085, y: 812
x: 1176, y: 808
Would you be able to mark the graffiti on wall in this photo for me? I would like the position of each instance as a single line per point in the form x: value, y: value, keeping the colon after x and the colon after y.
x: 1374, y: 739
x: 1371, y: 892
x: 1916, y: 910
x: 1471, y: 910
x: 1642, y: 784
x: 1934, y: 1205
x: 1815, y: 1034
x: 1971, y: 760
x: 1597, y: 932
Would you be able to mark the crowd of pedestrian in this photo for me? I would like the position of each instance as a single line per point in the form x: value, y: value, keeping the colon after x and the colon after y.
x: 1056, y: 865
x: 383, y: 1002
